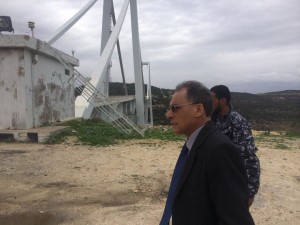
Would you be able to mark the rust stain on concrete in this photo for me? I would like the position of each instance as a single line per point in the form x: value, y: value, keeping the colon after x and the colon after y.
x: 26, y: 37
x: 15, y: 94
x: 21, y: 71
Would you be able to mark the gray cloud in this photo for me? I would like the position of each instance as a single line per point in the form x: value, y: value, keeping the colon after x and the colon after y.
x: 248, y: 45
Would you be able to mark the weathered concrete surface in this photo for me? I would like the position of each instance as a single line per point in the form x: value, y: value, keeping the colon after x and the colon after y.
x: 35, y: 87
x: 31, y: 135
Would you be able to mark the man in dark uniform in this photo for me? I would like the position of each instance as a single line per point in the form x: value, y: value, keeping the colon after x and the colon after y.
x: 237, y: 128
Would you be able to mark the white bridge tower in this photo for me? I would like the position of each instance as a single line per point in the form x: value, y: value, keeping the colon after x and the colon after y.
x: 95, y: 92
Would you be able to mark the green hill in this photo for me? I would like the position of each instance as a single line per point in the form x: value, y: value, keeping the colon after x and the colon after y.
x: 274, y: 110
x: 266, y: 111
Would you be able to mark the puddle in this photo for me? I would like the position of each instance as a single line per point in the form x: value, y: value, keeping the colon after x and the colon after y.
x: 30, y: 218
x: 12, y: 152
x: 114, y: 199
x: 60, y: 184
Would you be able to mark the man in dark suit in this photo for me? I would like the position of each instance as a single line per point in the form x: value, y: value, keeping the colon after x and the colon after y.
x: 209, y: 184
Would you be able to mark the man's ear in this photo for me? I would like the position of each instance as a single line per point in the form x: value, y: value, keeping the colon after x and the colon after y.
x: 199, y: 110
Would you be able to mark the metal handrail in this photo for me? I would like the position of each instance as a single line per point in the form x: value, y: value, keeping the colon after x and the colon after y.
x: 90, y: 93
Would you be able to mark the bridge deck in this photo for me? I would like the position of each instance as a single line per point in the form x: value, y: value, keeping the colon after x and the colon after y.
x: 117, y: 99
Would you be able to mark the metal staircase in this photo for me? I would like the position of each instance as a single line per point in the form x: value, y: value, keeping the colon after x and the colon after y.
x: 102, y: 105
x: 97, y: 100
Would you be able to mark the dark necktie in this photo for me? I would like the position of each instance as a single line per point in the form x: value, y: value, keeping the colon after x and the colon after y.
x: 175, y: 178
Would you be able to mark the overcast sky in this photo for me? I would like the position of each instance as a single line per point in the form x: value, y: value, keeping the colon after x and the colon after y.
x: 250, y: 45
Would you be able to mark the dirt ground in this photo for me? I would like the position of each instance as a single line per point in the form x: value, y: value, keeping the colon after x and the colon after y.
x: 125, y: 183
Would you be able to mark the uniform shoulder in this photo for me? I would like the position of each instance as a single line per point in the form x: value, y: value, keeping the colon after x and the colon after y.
x: 238, y: 120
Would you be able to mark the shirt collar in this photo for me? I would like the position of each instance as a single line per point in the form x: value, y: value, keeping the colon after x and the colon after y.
x: 190, y: 141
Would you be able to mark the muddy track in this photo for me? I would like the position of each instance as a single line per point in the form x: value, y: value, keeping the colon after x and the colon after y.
x: 121, y: 184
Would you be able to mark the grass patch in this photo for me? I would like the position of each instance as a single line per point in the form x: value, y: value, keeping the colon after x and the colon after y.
x: 292, y: 134
x: 281, y: 146
x: 96, y: 132
x: 59, y: 137
x: 265, y: 134
x: 279, y: 137
x: 163, y: 134
x: 260, y: 139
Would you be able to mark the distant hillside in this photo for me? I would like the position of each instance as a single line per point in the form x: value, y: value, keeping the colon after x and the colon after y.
x: 273, y: 110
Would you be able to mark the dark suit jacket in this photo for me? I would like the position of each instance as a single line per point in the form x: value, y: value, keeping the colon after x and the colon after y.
x: 213, y: 188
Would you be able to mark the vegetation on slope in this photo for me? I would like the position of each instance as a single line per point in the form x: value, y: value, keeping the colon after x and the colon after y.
x: 267, y: 111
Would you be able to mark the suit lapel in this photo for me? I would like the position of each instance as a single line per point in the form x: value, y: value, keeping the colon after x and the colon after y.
x: 208, y: 128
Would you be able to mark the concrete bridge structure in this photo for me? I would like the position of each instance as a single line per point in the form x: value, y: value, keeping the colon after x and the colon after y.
x: 39, y: 80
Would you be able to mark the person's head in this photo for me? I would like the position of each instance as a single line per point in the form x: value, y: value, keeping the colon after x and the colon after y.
x: 190, y: 107
x: 221, y: 98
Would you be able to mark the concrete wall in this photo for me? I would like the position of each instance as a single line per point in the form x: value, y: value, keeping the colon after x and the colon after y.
x: 33, y: 92
x: 13, y: 113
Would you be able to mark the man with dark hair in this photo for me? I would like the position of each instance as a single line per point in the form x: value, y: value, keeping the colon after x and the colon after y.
x: 237, y: 128
x: 209, y: 183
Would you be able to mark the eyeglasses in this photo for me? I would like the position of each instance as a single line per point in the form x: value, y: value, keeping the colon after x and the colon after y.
x: 175, y: 107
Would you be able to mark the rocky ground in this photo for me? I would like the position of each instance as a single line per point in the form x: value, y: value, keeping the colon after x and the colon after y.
x: 125, y: 183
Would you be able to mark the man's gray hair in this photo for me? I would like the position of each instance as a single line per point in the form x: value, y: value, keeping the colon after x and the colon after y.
x: 197, y: 93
